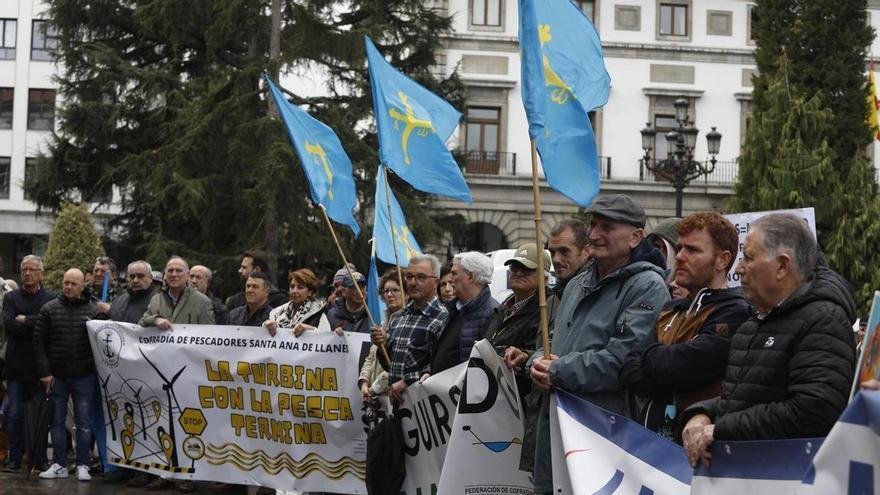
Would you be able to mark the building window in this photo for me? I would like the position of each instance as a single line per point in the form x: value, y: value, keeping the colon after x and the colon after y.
x: 673, y: 19
x: 486, y: 13
x: 44, y: 40
x: 663, y: 124
x: 6, y: 97
x: 30, y: 167
x: 5, y: 163
x: 41, y: 110
x: 589, y: 9
x: 753, y: 19
x: 8, y: 31
x: 481, y: 139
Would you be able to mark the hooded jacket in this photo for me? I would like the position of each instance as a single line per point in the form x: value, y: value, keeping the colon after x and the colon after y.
x: 597, y: 323
x: 61, y: 339
x: 789, y: 372
x: 683, y: 360
x: 339, y: 316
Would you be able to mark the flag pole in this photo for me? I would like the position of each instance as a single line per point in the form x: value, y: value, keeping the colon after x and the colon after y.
x: 393, y: 237
x: 351, y: 276
x: 539, y: 244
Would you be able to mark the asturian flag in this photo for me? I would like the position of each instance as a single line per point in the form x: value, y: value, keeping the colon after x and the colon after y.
x: 414, y: 125
x: 390, y: 232
x: 607, y: 453
x: 324, y: 161
x: 563, y: 79
x: 374, y: 302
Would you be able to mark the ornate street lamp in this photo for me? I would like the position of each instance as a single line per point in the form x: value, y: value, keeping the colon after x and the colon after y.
x: 679, y: 167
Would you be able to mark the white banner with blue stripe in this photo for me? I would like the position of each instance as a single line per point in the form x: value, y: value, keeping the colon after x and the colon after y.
x: 763, y: 467
x: 606, y: 453
x: 598, y: 452
x: 849, y: 459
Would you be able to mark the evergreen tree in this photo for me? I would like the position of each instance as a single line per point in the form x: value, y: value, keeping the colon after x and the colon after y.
x: 74, y: 243
x: 806, y: 141
x: 825, y: 44
x: 163, y: 99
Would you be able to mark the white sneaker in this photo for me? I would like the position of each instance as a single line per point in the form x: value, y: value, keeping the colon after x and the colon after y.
x: 82, y: 473
x: 55, y: 471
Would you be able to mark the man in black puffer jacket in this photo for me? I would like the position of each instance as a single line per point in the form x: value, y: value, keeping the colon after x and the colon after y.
x: 64, y: 363
x: 790, y: 365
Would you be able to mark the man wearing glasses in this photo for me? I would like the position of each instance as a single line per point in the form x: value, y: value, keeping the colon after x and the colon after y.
x: 422, y: 316
x: 21, y: 308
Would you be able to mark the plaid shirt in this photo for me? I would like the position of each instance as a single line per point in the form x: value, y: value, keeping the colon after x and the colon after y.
x: 409, y: 332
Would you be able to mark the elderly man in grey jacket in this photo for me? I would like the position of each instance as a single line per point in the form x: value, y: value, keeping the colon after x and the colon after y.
x: 605, y: 310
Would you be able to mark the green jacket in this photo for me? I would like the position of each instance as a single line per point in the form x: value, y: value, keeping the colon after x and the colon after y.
x: 597, y: 323
x: 193, y: 307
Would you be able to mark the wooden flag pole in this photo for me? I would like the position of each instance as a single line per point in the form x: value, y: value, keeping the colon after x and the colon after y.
x: 393, y: 237
x: 351, y: 276
x: 539, y: 244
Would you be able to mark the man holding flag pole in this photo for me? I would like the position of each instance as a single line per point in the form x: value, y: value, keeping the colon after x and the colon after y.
x: 563, y: 78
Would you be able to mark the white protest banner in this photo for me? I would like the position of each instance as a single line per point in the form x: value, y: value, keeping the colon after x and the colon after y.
x: 426, y: 413
x: 848, y: 462
x: 609, y: 453
x: 743, y: 221
x: 483, y: 454
x: 561, y: 478
x: 234, y: 405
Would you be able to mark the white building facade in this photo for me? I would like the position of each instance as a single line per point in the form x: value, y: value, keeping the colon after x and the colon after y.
x: 27, y: 119
x: 656, y: 51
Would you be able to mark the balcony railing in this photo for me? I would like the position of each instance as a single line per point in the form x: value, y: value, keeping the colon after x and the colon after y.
x: 505, y: 163
x: 490, y: 162
x: 724, y: 173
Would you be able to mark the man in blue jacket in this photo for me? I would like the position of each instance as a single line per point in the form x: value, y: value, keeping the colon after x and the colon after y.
x: 469, y: 313
x: 605, y: 310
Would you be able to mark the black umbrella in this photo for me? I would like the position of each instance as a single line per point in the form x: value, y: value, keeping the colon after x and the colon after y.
x: 37, y: 420
x: 385, y: 451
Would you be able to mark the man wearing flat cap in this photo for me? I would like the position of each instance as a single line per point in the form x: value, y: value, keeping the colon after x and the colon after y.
x: 605, y: 310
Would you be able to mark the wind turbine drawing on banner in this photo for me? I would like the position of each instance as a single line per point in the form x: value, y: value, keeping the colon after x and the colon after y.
x: 137, y: 397
x: 111, y: 411
x: 168, y: 387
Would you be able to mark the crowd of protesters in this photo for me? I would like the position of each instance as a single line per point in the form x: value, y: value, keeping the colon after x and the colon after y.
x: 641, y: 323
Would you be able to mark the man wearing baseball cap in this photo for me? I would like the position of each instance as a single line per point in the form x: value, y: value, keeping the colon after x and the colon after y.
x: 351, y: 314
x: 605, y: 310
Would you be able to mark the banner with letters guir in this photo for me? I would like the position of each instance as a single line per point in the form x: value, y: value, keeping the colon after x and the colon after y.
x: 234, y: 405
x: 463, y: 430
x: 483, y: 457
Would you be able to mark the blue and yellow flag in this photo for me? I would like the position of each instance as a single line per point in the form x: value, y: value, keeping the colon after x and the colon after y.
x: 563, y: 79
x: 327, y: 166
x: 374, y: 302
x: 414, y: 125
x: 406, y: 243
